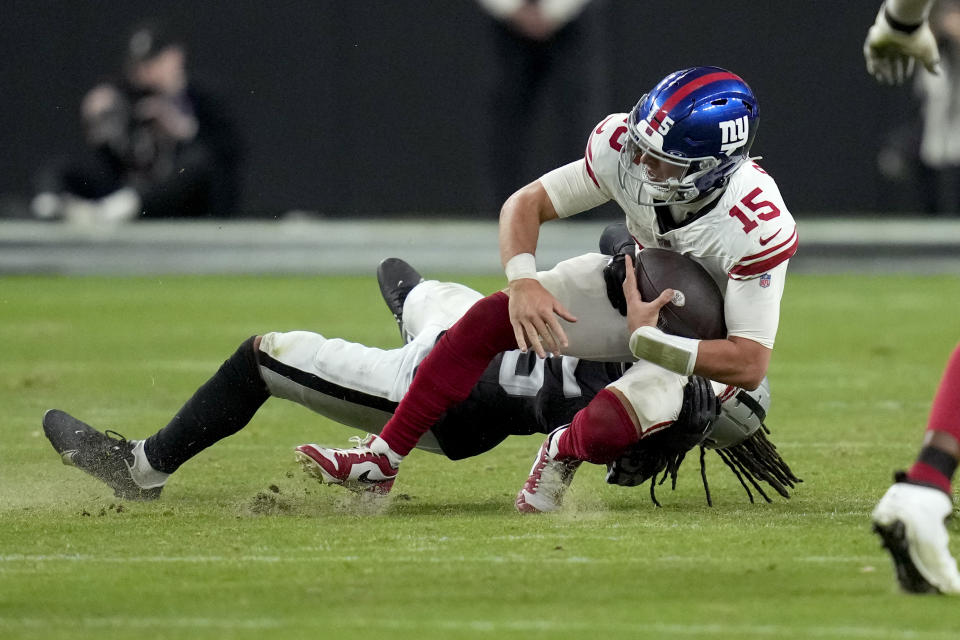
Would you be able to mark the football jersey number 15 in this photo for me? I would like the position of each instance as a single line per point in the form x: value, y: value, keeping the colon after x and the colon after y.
x: 764, y: 210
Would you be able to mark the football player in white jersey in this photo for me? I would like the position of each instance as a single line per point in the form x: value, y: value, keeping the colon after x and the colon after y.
x: 910, y: 516
x: 679, y: 166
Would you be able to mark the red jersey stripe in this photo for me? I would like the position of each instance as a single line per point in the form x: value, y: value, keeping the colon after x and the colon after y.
x: 728, y: 393
x: 772, y: 249
x: 654, y: 428
x: 588, y: 156
x: 758, y: 268
x: 687, y: 89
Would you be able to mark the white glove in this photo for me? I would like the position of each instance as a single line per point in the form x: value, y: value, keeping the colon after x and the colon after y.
x: 890, y: 53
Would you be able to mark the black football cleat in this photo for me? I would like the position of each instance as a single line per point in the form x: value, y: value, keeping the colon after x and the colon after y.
x: 397, y: 279
x: 615, y: 239
x: 894, y: 539
x: 106, y: 457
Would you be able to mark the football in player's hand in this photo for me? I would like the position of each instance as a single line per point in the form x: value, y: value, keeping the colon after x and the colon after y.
x: 696, y: 310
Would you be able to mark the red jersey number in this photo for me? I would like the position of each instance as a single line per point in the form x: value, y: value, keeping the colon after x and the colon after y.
x: 764, y: 210
x: 615, y: 138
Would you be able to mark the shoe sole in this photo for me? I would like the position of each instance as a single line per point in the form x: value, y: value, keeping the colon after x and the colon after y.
x: 315, y: 471
x: 526, y: 499
x: 525, y: 507
x: 894, y: 537
x: 388, y: 285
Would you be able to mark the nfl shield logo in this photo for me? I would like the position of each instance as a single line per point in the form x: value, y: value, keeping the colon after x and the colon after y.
x: 765, y: 281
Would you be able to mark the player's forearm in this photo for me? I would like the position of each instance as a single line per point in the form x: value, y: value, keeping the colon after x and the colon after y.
x: 520, y: 220
x: 735, y: 361
x: 519, y: 231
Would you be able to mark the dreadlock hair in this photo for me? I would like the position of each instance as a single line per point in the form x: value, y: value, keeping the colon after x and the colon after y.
x: 664, y: 461
x: 658, y: 453
x: 752, y: 461
x: 670, y: 468
x: 756, y: 458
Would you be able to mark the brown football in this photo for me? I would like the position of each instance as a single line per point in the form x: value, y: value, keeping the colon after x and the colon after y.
x: 696, y: 310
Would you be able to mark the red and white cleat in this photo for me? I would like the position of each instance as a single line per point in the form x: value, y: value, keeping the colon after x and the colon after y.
x: 549, y: 478
x: 370, y: 466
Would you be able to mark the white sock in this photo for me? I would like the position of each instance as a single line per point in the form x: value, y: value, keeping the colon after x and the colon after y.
x: 142, y: 473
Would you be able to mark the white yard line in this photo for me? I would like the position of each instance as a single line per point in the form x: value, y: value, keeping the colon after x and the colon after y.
x: 489, y: 626
x: 427, y: 556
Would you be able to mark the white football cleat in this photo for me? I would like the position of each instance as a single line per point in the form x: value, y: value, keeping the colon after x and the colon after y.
x: 370, y: 466
x: 909, y: 518
x: 549, y: 478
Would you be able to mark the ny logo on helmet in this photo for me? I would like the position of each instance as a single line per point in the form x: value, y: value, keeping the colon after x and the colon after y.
x: 734, y: 134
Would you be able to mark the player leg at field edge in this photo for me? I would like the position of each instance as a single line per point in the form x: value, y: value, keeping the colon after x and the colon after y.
x: 910, y: 516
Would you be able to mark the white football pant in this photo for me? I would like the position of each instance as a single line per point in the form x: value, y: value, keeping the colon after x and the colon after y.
x: 356, y: 385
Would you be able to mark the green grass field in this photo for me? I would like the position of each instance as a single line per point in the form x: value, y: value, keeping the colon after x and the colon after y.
x: 241, y: 546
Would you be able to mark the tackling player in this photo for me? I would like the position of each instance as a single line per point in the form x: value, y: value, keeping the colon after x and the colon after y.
x: 679, y: 166
x: 910, y: 516
x: 359, y: 386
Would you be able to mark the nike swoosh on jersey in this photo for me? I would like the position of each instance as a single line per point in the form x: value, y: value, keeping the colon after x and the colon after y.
x: 765, y: 241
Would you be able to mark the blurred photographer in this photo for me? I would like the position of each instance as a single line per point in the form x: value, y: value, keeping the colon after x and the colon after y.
x: 158, y: 146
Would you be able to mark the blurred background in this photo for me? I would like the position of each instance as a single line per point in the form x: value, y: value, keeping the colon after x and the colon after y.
x: 345, y: 111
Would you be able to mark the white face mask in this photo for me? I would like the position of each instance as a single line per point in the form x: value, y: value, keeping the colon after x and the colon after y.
x: 662, y: 190
x: 637, y: 177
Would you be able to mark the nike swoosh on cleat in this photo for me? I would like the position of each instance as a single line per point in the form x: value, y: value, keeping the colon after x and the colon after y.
x: 68, y: 455
x: 365, y: 478
x: 764, y: 241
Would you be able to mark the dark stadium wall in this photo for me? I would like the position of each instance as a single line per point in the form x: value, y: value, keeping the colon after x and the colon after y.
x: 379, y: 106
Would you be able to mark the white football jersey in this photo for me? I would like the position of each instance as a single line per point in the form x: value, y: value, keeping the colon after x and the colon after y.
x: 747, y: 235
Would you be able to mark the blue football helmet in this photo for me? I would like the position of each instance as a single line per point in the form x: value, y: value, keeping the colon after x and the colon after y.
x: 697, y: 126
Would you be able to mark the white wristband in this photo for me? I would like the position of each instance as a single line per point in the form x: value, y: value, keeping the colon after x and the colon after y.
x: 670, y: 352
x: 522, y: 265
